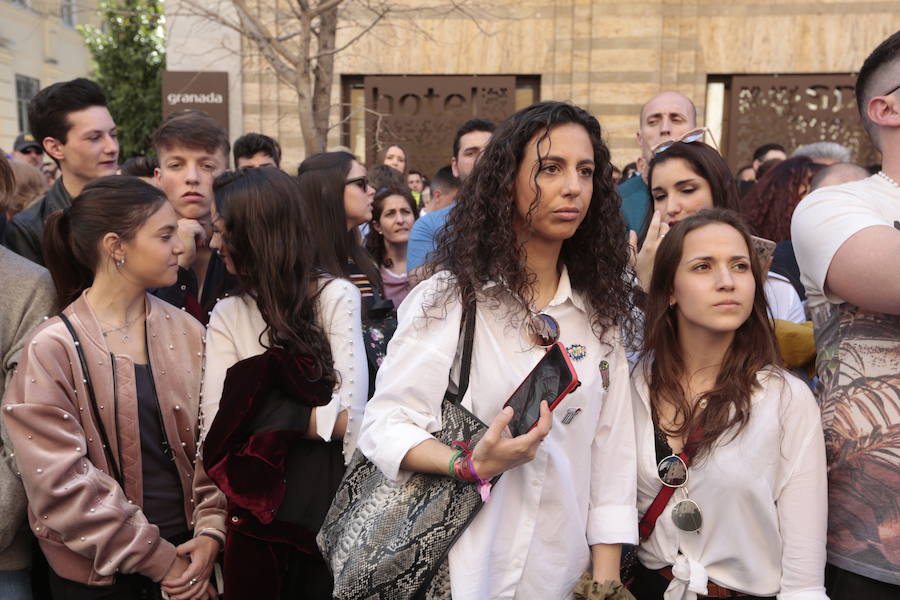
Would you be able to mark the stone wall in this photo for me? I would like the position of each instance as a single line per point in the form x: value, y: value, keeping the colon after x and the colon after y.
x: 608, y: 56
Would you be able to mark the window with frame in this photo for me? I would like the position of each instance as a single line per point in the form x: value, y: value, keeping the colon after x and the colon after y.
x: 26, y: 88
x: 67, y: 12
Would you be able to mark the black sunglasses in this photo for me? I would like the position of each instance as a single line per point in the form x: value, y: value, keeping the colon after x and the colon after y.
x: 362, y: 182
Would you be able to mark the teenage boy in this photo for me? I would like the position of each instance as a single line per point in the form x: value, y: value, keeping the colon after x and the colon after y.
x: 193, y: 151
x: 73, y: 125
x: 254, y: 150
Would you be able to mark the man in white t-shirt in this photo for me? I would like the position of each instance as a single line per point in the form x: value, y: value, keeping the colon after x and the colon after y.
x: 847, y: 242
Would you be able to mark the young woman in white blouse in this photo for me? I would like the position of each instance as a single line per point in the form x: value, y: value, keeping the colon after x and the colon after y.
x: 735, y: 439
x: 285, y: 308
x: 536, y: 234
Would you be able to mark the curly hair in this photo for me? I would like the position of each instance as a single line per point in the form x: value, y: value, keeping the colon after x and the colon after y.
x: 770, y: 203
x: 479, y: 245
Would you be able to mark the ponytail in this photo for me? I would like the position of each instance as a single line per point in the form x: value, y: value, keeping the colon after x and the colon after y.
x: 115, y: 204
x: 70, y: 277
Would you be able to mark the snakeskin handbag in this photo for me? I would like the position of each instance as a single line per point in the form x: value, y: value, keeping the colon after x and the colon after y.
x: 387, y: 540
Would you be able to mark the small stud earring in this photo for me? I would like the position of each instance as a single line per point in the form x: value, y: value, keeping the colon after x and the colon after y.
x: 120, y: 262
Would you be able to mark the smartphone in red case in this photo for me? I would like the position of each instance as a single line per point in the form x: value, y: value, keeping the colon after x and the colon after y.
x: 551, y: 379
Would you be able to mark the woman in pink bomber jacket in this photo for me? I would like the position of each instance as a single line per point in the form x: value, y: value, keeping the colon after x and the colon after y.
x: 105, y: 429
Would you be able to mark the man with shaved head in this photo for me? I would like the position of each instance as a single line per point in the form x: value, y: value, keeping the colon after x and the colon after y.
x: 666, y: 116
x: 847, y: 241
x: 837, y: 174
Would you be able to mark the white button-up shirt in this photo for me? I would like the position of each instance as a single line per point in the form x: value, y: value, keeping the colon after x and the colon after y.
x: 532, y: 538
x: 762, y: 496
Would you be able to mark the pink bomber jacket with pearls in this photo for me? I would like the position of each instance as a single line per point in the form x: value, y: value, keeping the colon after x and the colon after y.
x: 88, y: 525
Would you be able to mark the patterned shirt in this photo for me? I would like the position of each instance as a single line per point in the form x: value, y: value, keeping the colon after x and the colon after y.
x: 859, y: 366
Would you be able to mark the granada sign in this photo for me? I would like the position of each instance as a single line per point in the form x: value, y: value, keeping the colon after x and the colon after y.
x: 197, y: 90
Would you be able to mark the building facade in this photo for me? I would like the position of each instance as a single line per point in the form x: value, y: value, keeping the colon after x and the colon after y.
x: 39, y: 45
x: 608, y: 56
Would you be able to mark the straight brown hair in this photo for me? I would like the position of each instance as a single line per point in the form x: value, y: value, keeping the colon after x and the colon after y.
x: 754, y: 348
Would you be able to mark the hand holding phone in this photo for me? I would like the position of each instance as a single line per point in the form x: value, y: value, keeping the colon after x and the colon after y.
x: 551, y: 380
x: 496, y: 453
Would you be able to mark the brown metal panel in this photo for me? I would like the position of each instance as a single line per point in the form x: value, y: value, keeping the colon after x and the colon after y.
x: 199, y: 90
x: 793, y: 110
x: 423, y: 112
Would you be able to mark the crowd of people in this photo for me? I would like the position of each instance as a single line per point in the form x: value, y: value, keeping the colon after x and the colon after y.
x: 193, y: 354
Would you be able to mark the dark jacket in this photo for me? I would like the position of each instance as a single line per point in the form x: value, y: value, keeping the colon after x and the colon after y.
x: 183, y: 293
x: 279, y: 485
x: 24, y: 234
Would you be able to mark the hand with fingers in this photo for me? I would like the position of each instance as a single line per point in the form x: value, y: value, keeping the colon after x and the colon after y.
x: 496, y: 453
x: 643, y: 259
x: 193, y: 235
x: 192, y: 582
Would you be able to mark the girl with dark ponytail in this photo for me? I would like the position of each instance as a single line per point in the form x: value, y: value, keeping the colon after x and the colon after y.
x: 115, y: 499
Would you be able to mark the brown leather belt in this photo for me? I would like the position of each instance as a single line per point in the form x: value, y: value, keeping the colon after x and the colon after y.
x: 712, y: 590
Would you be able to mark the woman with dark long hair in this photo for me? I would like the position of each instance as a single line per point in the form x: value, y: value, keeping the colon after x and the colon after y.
x: 284, y: 388
x: 536, y: 237
x: 689, y: 177
x: 336, y: 192
x: 771, y: 201
x: 731, y: 456
x: 103, y: 411
x: 683, y: 177
x: 393, y: 213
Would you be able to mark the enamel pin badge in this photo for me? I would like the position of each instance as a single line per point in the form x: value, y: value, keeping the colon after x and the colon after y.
x: 604, y: 374
x: 576, y: 352
x: 570, y: 415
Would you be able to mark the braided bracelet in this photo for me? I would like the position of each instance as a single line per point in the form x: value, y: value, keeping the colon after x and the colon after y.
x: 463, y: 468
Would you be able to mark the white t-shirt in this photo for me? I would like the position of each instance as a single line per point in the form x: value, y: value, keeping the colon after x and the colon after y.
x: 784, y: 301
x: 858, y: 362
x: 828, y: 217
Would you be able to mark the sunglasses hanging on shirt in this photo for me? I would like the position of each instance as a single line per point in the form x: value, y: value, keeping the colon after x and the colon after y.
x: 673, y: 472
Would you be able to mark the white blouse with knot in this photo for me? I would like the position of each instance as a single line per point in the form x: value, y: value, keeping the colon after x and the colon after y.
x: 531, y: 540
x: 233, y: 335
x: 763, y: 498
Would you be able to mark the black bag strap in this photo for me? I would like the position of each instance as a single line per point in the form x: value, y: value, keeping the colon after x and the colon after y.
x: 104, y: 439
x: 468, y: 342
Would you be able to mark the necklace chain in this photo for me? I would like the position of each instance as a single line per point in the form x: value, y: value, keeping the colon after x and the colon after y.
x: 129, y: 323
x: 889, y: 179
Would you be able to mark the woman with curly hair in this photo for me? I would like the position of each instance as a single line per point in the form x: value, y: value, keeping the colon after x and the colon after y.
x: 770, y: 203
x: 283, y: 391
x: 536, y: 237
x: 393, y: 213
x: 731, y: 455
